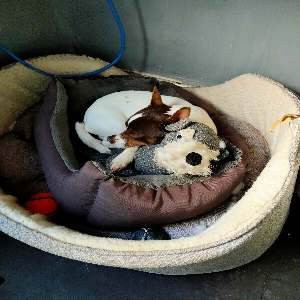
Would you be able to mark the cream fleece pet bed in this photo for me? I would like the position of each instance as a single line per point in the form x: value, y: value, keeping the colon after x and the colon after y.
x: 239, y: 236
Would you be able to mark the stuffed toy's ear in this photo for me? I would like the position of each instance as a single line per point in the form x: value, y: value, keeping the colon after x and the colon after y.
x: 182, y: 124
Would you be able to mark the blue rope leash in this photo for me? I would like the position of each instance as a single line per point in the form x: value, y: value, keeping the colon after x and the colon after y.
x: 122, y: 49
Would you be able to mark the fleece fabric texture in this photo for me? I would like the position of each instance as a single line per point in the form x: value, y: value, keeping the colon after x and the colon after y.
x: 104, y: 200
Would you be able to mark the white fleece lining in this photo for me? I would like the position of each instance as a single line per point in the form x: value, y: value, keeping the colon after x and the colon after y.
x: 18, y: 80
x: 251, y: 98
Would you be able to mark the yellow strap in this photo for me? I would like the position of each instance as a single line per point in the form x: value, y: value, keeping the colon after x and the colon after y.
x: 285, y: 119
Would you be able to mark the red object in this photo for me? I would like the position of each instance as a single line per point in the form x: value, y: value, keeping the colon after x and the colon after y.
x: 42, y: 203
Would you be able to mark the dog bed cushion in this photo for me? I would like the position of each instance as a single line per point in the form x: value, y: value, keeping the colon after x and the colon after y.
x: 22, y: 176
x: 238, y: 236
x: 104, y: 200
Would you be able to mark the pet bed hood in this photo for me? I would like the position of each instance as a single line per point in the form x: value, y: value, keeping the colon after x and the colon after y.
x: 239, y: 236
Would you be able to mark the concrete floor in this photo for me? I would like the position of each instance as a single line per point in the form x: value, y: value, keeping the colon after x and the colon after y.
x: 28, y: 273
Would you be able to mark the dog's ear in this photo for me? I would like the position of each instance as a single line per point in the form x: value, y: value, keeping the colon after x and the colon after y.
x: 156, y: 98
x: 180, y: 114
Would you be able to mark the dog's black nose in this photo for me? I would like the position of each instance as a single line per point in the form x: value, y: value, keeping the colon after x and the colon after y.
x: 193, y: 159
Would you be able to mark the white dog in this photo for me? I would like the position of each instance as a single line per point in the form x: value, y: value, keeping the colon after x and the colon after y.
x: 130, y: 119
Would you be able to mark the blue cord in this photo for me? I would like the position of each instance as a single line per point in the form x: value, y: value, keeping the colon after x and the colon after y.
x: 122, y: 49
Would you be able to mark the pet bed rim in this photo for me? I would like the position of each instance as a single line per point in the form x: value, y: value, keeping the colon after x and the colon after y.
x: 274, y: 202
x: 292, y: 95
x: 127, y: 244
x: 158, y: 259
x: 128, y: 252
x: 69, y: 57
x: 221, y: 241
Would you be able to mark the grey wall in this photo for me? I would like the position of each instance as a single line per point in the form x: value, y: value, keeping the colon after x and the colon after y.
x: 207, y: 42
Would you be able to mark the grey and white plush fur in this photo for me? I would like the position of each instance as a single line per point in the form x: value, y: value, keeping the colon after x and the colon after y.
x: 188, y: 148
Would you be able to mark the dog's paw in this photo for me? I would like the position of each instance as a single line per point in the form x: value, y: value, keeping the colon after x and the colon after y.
x: 123, y: 159
x: 118, y: 164
x: 101, y: 148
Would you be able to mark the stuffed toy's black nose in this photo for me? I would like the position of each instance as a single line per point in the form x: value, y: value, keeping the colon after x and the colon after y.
x: 193, y: 159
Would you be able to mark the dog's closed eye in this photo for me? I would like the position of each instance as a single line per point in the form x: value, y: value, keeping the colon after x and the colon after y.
x: 162, y: 127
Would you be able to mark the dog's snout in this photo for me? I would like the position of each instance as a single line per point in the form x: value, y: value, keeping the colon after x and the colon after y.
x: 194, y: 159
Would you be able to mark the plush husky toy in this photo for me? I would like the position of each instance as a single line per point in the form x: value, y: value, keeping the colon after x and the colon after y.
x: 189, y: 148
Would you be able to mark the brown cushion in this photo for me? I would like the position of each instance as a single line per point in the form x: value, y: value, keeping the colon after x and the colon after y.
x: 104, y: 200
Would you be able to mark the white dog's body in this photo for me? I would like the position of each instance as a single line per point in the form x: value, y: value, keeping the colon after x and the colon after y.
x: 107, y: 116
